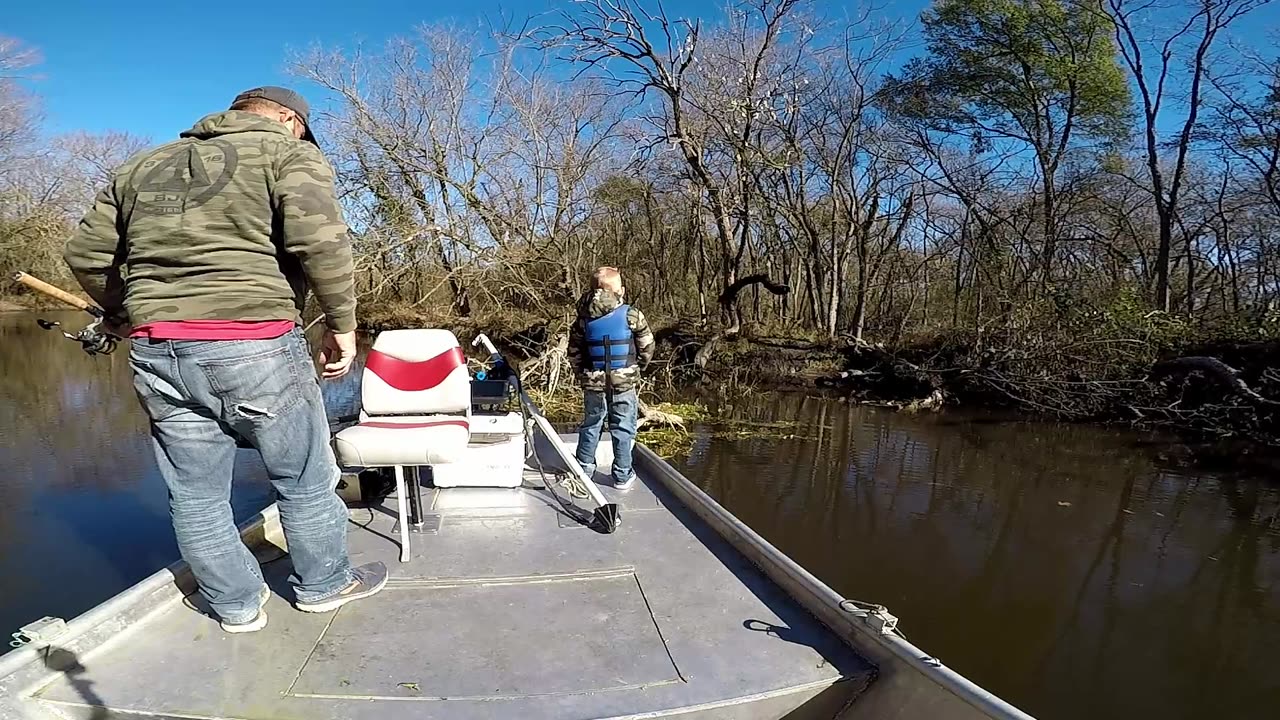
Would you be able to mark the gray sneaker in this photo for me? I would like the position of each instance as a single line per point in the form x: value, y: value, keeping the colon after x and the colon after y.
x: 368, y: 580
x: 255, y: 623
x: 625, y: 484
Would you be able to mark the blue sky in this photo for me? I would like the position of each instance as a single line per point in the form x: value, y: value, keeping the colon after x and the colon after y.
x: 154, y: 69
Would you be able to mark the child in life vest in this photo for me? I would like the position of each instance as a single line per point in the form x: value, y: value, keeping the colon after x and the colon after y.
x: 609, y: 345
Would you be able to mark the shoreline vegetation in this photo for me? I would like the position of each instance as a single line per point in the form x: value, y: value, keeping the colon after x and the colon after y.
x: 1063, y: 209
x: 1212, y: 387
x: 1121, y: 365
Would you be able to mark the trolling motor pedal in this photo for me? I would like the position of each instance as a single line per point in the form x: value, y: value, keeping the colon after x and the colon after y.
x: 606, y: 518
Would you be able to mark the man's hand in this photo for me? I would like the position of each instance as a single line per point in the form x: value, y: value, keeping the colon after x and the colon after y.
x: 117, y: 325
x: 337, y: 352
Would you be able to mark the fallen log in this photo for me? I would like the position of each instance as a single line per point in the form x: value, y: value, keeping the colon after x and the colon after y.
x: 879, y: 372
x: 1213, y: 369
x: 932, y: 402
x: 652, y: 416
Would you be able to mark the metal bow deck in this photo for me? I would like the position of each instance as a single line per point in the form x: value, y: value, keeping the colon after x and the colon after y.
x: 508, y: 609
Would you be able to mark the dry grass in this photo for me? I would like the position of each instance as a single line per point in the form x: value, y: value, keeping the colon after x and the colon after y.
x: 564, y: 407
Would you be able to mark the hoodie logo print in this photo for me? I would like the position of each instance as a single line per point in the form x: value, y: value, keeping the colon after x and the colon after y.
x: 186, y: 176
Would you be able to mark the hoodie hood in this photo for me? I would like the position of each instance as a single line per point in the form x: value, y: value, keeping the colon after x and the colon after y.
x: 598, y: 303
x: 229, y: 122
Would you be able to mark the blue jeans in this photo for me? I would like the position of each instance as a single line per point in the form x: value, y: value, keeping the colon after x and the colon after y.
x: 199, y: 396
x: 622, y: 428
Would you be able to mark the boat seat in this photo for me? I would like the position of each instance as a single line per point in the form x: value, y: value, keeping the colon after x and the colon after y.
x: 404, y: 441
x: 415, y: 398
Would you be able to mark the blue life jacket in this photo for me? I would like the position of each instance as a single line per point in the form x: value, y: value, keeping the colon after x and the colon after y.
x: 609, y: 342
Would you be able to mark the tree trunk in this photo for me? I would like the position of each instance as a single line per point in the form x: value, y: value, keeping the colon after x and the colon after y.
x: 924, y: 307
x: 729, y: 317
x: 702, y: 272
x: 461, y: 298
x: 834, y: 288
x: 1191, y: 275
x: 1162, y: 260
x: 864, y: 282
x: 1050, y: 227
x: 729, y: 298
x: 815, y: 297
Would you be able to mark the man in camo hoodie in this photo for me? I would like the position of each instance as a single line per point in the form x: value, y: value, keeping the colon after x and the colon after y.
x: 609, y: 344
x: 207, y: 246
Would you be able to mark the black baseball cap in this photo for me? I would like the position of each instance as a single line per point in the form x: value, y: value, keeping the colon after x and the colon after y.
x: 287, y: 98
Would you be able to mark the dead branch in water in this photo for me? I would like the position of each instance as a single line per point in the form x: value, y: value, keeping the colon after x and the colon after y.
x: 651, y: 416
x: 1212, y: 368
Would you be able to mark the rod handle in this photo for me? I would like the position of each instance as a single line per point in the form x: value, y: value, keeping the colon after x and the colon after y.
x: 56, y: 293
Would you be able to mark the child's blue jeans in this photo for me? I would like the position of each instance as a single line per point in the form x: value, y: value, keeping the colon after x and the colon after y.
x: 622, y: 428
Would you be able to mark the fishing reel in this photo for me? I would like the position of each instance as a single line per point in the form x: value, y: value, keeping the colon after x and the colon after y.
x: 92, y: 338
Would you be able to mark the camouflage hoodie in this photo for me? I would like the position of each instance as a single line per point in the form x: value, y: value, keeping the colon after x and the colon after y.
x: 598, y: 303
x: 234, y: 221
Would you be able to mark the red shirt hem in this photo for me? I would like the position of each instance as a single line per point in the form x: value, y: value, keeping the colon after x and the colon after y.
x: 213, y: 330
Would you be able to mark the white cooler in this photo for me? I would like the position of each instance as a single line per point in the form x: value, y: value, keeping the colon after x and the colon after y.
x: 494, y: 457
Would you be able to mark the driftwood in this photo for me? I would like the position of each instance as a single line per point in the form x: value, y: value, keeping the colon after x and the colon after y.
x: 650, y: 416
x: 1212, y: 368
x: 933, y: 402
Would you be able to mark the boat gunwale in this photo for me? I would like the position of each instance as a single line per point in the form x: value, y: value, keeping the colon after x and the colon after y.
x: 816, y: 597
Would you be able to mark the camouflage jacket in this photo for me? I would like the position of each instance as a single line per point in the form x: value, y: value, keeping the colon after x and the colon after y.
x: 598, y: 303
x: 234, y: 221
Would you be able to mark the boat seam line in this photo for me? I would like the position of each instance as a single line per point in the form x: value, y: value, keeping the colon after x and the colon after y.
x: 654, y: 619
x: 307, y: 660
x: 487, y: 698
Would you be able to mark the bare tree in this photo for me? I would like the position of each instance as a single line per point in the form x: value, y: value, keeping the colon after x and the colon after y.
x: 17, y: 113
x: 44, y: 195
x: 714, y: 93
x: 1154, y: 67
x: 464, y: 146
x: 1245, y: 123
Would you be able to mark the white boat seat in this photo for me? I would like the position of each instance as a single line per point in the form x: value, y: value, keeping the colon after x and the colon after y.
x: 415, y: 398
x: 405, y: 441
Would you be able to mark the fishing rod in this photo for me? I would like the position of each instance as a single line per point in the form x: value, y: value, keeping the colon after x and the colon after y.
x: 93, y: 338
x: 605, y: 517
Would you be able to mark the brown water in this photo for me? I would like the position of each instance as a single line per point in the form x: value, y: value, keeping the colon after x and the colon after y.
x: 1068, y: 569
x: 83, y: 510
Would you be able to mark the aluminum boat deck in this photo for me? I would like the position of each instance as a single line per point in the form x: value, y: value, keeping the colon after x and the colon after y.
x: 507, y: 609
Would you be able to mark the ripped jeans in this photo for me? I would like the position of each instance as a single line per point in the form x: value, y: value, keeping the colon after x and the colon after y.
x: 200, y: 395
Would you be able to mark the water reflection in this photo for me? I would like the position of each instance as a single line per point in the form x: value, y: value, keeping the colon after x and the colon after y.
x: 1068, y: 569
